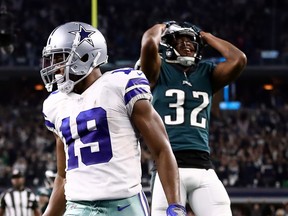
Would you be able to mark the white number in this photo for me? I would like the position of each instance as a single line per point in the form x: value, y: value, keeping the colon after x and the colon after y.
x: 179, y: 109
x: 178, y: 106
x: 197, y: 110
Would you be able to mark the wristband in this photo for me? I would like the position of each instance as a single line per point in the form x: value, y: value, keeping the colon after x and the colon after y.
x: 176, y: 210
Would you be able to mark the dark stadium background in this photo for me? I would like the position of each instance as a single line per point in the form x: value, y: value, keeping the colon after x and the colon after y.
x: 249, y: 145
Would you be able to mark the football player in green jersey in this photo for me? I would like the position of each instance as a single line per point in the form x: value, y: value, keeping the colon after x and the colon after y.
x: 183, y: 87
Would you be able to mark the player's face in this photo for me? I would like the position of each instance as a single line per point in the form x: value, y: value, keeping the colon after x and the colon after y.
x: 58, y: 58
x: 184, y: 46
x: 61, y: 59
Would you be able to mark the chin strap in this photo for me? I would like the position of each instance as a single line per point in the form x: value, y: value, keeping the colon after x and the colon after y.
x: 66, y: 87
x: 186, y: 61
x: 183, y: 60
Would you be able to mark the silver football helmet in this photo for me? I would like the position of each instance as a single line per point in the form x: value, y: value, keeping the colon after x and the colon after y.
x: 170, y: 54
x: 78, y: 48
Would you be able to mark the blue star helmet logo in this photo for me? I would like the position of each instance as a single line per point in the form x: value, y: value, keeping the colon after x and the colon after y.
x: 84, y: 34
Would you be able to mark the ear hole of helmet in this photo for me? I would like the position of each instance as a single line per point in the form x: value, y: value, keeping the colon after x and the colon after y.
x: 170, y: 53
x: 85, y: 58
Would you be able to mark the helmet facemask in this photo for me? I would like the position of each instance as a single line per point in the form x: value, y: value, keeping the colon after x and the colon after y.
x: 51, y: 65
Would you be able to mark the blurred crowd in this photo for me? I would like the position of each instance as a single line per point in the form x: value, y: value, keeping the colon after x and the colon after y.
x: 250, y: 147
x: 254, y: 26
x: 25, y: 144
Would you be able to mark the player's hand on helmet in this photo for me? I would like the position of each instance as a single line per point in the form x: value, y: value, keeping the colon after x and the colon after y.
x: 169, y: 23
x: 170, y: 27
x: 203, y: 39
x: 195, y: 28
x: 176, y: 210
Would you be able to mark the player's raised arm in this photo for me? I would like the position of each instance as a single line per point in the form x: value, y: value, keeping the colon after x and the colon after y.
x: 235, y: 61
x: 150, y: 59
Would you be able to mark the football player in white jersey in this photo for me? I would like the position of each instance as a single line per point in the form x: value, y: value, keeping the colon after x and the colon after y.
x: 97, y: 120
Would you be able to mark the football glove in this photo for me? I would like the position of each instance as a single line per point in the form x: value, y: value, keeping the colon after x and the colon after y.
x: 197, y: 29
x: 176, y: 210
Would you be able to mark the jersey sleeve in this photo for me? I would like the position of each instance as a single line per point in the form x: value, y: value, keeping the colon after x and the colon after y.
x: 136, y: 87
x: 49, y: 110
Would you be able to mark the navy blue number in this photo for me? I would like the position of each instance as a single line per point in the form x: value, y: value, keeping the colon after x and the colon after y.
x: 99, y: 133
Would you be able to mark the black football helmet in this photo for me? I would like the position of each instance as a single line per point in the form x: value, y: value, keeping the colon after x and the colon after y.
x: 169, y: 52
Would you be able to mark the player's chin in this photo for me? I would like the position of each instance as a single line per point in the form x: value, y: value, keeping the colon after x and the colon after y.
x: 187, y: 53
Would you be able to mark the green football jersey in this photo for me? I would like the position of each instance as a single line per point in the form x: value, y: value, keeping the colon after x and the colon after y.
x: 184, y: 103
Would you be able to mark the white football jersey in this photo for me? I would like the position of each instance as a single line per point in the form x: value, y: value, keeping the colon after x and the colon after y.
x: 101, y: 145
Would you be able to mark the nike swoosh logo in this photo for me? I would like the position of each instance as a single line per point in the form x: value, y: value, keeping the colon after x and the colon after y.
x: 120, y: 208
x: 139, y: 73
